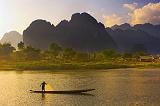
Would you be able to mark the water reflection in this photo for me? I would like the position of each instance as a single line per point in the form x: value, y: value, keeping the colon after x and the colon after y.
x: 113, y: 88
x: 43, y: 99
x: 78, y: 94
x: 43, y: 96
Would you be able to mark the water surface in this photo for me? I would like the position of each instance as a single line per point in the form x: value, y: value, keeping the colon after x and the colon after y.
x: 124, y: 87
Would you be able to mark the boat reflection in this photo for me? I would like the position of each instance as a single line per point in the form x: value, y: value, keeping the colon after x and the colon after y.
x: 78, y: 94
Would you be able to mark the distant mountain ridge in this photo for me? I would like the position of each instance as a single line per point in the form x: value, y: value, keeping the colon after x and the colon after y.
x: 127, y: 36
x: 12, y: 37
x: 153, y: 30
x: 82, y: 33
x: 128, y: 39
x: 124, y: 26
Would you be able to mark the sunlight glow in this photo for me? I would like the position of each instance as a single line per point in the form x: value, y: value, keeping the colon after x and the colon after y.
x: 18, y: 14
x: 9, y: 20
x: 5, y: 18
x: 49, y: 87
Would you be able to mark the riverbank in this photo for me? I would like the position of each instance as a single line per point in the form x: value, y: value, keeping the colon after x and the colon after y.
x: 39, y: 65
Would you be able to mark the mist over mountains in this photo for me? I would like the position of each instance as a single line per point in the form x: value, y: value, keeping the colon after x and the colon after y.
x: 12, y: 37
x: 84, y: 33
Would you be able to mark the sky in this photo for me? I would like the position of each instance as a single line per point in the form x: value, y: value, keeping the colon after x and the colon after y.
x: 18, y: 14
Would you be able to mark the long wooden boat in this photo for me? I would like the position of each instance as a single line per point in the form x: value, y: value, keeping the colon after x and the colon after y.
x: 63, y: 92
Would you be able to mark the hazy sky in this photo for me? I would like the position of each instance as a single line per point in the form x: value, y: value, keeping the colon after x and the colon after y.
x: 18, y: 14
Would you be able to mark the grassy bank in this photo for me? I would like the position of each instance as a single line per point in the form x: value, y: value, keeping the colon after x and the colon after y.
x: 70, y: 66
x: 42, y: 65
x: 39, y: 65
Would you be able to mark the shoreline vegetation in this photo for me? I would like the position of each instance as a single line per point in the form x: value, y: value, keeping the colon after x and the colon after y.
x: 38, y: 65
x: 57, y: 58
x: 46, y: 65
x: 86, y: 66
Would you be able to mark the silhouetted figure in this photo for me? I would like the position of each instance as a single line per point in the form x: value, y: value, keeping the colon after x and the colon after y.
x: 43, y: 85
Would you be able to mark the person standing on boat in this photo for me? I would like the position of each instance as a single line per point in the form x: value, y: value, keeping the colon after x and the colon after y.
x: 43, y: 84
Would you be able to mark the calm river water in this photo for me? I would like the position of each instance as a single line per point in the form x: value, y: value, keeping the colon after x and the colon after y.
x: 123, y: 87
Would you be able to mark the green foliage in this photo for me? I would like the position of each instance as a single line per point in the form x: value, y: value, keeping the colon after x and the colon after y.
x: 31, y: 53
x: 6, y: 49
x: 99, y: 56
x: 57, y: 58
x: 82, y: 56
x: 126, y: 55
x: 20, y: 46
x: 68, y: 53
x: 54, y: 50
x: 109, y: 53
x: 18, y: 56
x: 138, y: 54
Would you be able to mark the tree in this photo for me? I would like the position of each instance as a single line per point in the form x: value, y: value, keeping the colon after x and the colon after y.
x: 20, y: 46
x: 126, y: 55
x: 109, y: 53
x: 81, y: 56
x: 6, y: 49
x: 68, y: 53
x: 31, y: 53
x: 54, y: 50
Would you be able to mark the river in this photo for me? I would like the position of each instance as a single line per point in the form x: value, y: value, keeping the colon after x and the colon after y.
x: 122, y: 87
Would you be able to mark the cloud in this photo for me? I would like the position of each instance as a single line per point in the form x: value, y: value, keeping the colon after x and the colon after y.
x: 112, y: 20
x: 149, y: 13
x: 90, y: 12
x: 131, y: 7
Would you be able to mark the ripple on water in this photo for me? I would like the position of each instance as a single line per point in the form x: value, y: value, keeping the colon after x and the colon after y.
x: 128, y: 87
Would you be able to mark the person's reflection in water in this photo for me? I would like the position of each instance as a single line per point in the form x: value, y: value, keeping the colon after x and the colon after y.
x: 43, y: 99
x: 43, y: 96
